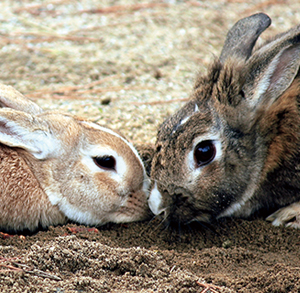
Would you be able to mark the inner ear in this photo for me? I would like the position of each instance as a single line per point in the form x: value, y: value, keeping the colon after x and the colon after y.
x: 286, y: 69
x: 270, y: 76
x: 22, y: 130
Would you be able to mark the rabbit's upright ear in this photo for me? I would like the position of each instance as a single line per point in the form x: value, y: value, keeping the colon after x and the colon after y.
x: 272, y: 69
x: 11, y: 98
x: 242, y: 37
x: 22, y: 130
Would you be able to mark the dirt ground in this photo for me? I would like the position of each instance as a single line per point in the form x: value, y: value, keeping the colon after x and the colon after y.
x: 128, y: 65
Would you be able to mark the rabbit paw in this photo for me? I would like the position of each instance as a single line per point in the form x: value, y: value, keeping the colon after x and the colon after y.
x: 288, y: 216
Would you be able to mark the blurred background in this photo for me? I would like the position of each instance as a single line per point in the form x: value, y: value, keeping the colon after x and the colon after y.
x: 125, y: 64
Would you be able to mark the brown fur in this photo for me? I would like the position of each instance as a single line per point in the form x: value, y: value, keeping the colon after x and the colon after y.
x: 17, y: 182
x: 285, y: 136
x: 247, y: 108
x: 49, y: 171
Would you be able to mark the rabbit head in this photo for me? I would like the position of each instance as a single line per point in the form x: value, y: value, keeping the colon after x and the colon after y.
x: 233, y: 148
x: 56, y: 166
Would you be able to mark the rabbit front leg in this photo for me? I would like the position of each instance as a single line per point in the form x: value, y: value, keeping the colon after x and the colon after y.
x: 288, y: 216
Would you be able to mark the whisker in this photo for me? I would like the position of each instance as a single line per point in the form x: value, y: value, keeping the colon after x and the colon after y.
x: 150, y: 222
x: 179, y: 231
x: 206, y: 226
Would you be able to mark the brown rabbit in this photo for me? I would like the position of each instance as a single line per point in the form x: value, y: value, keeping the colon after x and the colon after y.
x: 233, y: 149
x: 55, y: 167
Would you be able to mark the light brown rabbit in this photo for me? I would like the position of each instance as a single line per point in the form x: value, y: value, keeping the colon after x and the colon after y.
x: 233, y: 149
x: 55, y: 167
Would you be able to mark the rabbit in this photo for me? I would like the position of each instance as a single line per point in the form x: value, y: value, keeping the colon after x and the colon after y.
x: 233, y: 150
x: 55, y: 167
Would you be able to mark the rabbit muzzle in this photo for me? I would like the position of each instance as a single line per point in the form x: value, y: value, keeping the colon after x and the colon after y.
x: 176, y: 204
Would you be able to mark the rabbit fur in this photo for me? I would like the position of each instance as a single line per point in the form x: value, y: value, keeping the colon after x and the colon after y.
x: 233, y: 149
x: 56, y: 167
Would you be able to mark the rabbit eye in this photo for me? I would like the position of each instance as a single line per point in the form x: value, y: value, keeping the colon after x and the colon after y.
x: 105, y: 162
x: 204, y: 153
x: 242, y: 93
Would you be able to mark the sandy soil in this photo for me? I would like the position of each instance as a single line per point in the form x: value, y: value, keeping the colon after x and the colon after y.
x: 129, y: 65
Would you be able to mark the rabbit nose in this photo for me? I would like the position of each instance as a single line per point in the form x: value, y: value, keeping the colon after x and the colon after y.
x: 179, y: 205
x: 180, y: 199
x: 177, y: 193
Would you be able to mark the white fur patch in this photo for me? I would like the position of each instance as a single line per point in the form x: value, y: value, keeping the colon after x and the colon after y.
x: 71, y: 211
x: 239, y: 207
x: 186, y: 119
x: 155, y: 201
x: 236, y: 207
x: 74, y: 213
x: 97, y: 126
x: 232, y: 209
x: 54, y: 197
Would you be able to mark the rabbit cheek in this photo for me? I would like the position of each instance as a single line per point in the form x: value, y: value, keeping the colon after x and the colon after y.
x: 133, y: 193
x: 133, y: 208
x: 94, y: 200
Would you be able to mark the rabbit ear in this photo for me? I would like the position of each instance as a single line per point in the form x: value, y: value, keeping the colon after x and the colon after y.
x: 22, y: 130
x: 276, y: 77
x: 242, y: 37
x: 11, y: 98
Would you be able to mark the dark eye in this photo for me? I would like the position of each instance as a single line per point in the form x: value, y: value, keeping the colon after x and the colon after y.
x: 105, y: 162
x: 242, y: 93
x: 204, y: 153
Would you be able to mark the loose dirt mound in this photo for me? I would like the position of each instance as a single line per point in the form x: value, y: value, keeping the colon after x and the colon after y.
x: 129, y: 65
x: 235, y: 255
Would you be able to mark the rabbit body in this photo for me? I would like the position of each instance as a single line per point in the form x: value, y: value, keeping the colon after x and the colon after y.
x: 24, y: 204
x: 233, y: 149
x: 56, y: 167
